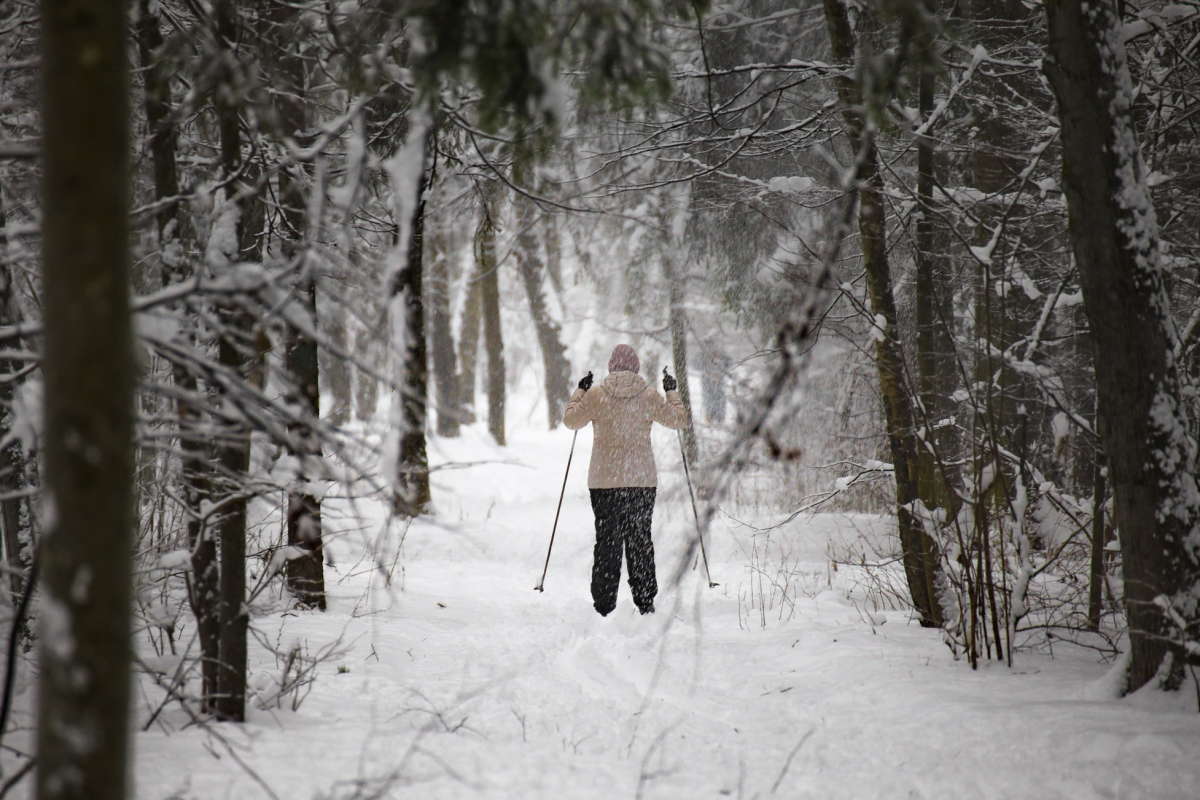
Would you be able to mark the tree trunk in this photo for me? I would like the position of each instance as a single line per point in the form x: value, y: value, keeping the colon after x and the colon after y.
x: 556, y: 370
x: 712, y: 385
x: 678, y: 321
x: 553, y: 239
x: 234, y: 459
x: 445, y: 370
x: 88, y: 366
x: 1097, y: 576
x: 1114, y: 236
x: 1000, y: 316
x: 10, y: 518
x: 468, y: 341
x: 411, y: 496
x: 366, y: 385
x: 160, y: 122
x: 493, y: 338
x: 237, y: 350
x: 305, y: 574
x: 334, y: 369
x: 919, y: 551
x: 12, y: 457
x: 174, y: 242
x: 935, y: 345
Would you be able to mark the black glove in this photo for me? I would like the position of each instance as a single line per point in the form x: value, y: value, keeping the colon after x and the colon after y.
x: 585, y: 382
x: 669, y: 384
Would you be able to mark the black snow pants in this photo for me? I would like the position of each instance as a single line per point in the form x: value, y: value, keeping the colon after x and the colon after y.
x: 623, y: 519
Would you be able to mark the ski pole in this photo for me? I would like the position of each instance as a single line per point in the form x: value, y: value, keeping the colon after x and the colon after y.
x: 695, y: 513
x: 541, y: 587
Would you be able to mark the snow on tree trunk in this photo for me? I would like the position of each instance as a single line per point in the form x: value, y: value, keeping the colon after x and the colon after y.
x: 409, y: 172
x: 674, y: 264
x: 679, y: 355
x: 84, y: 678
x: 1143, y: 422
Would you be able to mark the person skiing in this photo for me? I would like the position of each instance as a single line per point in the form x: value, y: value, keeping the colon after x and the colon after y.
x: 622, y: 479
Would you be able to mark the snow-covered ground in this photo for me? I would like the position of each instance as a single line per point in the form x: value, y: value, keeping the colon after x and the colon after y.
x: 458, y: 680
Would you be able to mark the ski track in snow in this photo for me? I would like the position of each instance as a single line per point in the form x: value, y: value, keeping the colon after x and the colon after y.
x: 462, y: 682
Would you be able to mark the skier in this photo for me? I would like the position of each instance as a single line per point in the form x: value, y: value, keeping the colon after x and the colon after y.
x: 621, y: 477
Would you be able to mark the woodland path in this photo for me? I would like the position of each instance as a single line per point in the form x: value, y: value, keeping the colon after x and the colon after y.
x: 458, y: 680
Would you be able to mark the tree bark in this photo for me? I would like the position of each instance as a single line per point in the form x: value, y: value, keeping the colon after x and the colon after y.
x: 468, y: 341
x: 160, y: 123
x: 918, y: 549
x: 1096, y: 574
x: 334, y: 369
x: 366, y: 385
x: 239, y: 349
x: 935, y: 346
x: 679, y: 355
x: 411, y: 496
x: 712, y: 384
x: 493, y: 337
x: 445, y: 370
x: 88, y: 366
x: 1114, y: 236
x: 305, y: 573
x: 552, y: 237
x: 1000, y: 316
x: 12, y: 457
x: 174, y: 242
x: 11, y: 520
x: 555, y: 368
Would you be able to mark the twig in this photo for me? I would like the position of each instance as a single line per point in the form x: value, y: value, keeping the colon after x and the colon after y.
x: 788, y: 762
x: 12, y: 782
x: 213, y: 733
x: 19, y: 151
x: 10, y: 667
x: 176, y: 681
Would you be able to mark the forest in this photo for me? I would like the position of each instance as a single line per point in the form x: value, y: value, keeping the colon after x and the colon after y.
x: 294, y: 295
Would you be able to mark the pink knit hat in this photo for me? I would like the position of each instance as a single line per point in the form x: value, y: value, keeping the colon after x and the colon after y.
x: 623, y: 358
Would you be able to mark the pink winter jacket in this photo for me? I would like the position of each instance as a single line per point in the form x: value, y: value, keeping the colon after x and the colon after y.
x: 622, y: 408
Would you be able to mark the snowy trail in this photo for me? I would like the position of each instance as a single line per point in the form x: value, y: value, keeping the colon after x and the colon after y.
x: 467, y: 683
